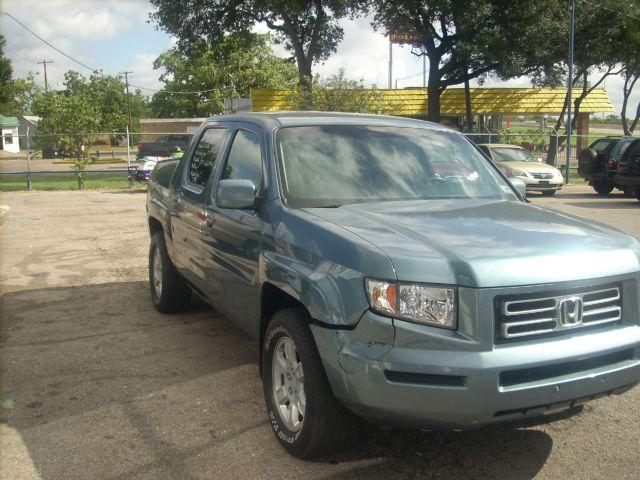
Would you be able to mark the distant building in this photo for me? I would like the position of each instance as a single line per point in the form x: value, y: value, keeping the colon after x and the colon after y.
x: 9, y: 137
x: 152, y: 128
x: 28, y: 124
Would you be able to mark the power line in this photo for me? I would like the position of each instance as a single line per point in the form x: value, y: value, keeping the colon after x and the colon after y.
x: 95, y: 70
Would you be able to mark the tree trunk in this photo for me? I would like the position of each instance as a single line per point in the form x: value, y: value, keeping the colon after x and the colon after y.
x: 467, y: 101
x: 305, y: 79
x: 433, y: 87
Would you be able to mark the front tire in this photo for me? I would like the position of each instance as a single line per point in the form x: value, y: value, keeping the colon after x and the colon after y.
x: 603, y: 188
x: 548, y: 193
x: 169, y: 292
x: 305, y: 417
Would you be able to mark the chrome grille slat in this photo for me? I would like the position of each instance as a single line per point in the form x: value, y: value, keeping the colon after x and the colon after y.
x: 522, y: 317
x: 598, y: 311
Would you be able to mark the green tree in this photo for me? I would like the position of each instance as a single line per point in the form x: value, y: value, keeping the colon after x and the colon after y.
x: 338, y: 94
x: 629, y: 44
x: 232, y: 68
x: 309, y: 29
x: 467, y: 39
x: 6, y: 74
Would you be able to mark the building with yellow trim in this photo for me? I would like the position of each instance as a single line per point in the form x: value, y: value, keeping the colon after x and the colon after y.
x: 484, y: 101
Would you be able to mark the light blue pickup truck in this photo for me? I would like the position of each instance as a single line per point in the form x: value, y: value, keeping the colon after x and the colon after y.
x: 388, y: 268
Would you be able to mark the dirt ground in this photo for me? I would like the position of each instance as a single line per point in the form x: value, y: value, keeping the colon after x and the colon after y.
x: 96, y: 384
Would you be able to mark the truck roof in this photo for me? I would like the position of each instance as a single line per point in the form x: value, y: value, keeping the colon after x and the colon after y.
x: 273, y: 120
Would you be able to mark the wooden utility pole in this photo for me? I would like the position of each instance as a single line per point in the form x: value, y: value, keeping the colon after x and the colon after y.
x: 44, y: 64
x: 126, y: 86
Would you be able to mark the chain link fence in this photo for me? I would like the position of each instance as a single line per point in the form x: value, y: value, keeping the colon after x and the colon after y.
x: 83, y: 160
x: 122, y: 160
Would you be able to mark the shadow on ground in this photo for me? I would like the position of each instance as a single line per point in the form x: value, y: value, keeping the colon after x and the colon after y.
x: 99, y: 385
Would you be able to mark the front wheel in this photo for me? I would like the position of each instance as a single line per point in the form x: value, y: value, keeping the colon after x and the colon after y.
x: 169, y: 292
x: 548, y: 193
x: 305, y: 417
x: 603, y: 188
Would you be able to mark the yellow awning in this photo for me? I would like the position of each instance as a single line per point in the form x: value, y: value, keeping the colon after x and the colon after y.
x: 485, y: 101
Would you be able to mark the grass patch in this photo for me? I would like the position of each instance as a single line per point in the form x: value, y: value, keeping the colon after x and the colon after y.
x: 63, y: 181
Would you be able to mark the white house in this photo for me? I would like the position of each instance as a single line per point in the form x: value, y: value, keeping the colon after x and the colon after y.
x: 9, y: 135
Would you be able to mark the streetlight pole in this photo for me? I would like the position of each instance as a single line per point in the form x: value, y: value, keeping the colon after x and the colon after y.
x: 569, y: 87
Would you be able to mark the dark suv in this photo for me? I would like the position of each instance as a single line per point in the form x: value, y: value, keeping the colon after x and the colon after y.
x: 599, y: 163
x: 629, y: 169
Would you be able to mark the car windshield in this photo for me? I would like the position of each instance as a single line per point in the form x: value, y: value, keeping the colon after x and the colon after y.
x: 333, y: 165
x: 502, y: 154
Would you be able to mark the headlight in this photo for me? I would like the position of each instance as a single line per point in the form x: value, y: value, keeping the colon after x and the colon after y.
x: 516, y: 172
x: 426, y: 304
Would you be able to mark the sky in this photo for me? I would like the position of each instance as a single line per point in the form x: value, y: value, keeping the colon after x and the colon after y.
x: 116, y: 35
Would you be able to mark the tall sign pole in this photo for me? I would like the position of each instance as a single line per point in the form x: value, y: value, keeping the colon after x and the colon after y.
x: 569, y: 87
x: 390, y: 62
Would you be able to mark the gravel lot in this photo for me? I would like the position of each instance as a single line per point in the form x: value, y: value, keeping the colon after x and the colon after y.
x: 96, y: 384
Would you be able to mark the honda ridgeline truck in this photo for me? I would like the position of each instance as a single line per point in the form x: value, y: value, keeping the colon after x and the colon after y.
x: 386, y: 267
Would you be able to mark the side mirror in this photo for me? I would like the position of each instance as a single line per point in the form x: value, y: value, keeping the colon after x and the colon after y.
x: 236, y: 194
x: 540, y: 160
x: 519, y: 185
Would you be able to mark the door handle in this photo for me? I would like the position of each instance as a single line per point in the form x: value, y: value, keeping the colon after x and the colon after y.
x: 207, y: 221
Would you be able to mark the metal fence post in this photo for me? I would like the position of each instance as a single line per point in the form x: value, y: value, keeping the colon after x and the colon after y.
x: 128, y: 149
x: 28, y: 161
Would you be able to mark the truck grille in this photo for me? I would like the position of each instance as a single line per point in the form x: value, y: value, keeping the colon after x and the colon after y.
x: 520, y: 316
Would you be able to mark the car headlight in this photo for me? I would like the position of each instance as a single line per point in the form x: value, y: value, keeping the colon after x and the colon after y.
x: 426, y: 304
x: 516, y: 172
x: 557, y: 173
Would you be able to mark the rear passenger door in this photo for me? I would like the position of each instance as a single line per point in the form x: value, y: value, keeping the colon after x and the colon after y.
x: 232, y: 239
x: 187, y: 214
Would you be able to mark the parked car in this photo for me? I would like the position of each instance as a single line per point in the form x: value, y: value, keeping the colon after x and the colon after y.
x: 164, y: 146
x: 142, y: 172
x: 628, y: 174
x: 598, y: 164
x: 518, y: 162
x: 386, y: 267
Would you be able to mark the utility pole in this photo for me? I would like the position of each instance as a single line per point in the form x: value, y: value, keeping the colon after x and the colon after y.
x: 126, y: 86
x: 569, y: 86
x: 44, y: 64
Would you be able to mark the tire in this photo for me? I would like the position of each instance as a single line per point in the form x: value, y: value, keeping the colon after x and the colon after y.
x: 588, y: 162
x: 603, y: 188
x: 548, y: 193
x: 323, y: 423
x: 169, y: 292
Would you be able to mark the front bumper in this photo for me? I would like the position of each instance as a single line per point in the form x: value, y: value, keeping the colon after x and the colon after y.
x: 412, y: 376
x: 538, y: 185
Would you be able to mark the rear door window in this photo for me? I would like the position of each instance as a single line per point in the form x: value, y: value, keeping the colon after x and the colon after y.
x: 205, y: 155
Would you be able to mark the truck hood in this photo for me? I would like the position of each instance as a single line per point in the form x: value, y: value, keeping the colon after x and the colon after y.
x: 480, y: 243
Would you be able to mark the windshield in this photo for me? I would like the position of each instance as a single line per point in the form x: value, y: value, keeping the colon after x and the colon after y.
x: 333, y: 165
x: 502, y: 154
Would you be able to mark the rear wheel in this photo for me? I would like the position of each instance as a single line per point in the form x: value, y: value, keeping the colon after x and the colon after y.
x: 306, y: 418
x: 169, y: 292
x: 603, y: 188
